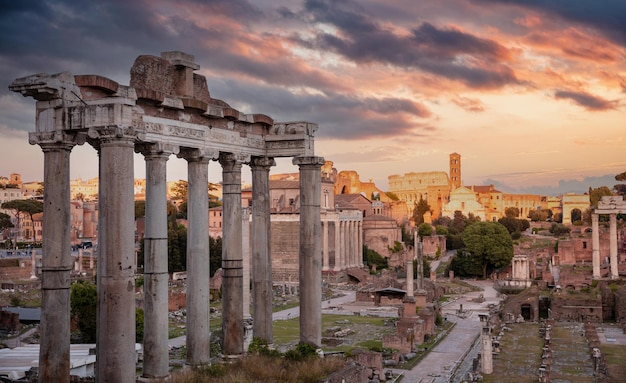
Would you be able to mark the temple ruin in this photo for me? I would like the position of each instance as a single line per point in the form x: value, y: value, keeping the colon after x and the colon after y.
x: 165, y: 110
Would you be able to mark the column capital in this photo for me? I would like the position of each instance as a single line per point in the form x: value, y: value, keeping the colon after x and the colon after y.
x: 313, y: 161
x: 198, y: 155
x: 56, y: 140
x: 262, y: 162
x: 236, y: 158
x: 157, y: 149
x: 111, y: 133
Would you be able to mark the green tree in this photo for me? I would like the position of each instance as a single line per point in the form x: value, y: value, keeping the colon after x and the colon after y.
x: 424, y: 230
x: 140, y: 209
x: 5, y: 222
x: 83, y: 301
x: 372, y: 258
x: 595, y: 194
x: 441, y: 230
x: 464, y: 264
x: 215, y: 254
x: 425, y: 267
x: 490, y: 243
x: 421, y: 208
x: 139, y: 325
x: 538, y: 215
x: 24, y: 206
x: 558, y: 229
x: 511, y: 212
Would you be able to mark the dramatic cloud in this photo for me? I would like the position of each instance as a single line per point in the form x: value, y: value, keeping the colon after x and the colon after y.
x: 476, y: 62
x: 383, y: 79
x: 586, y: 100
x: 606, y: 16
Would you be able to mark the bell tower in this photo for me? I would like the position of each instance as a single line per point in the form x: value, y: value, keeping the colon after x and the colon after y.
x: 455, y: 171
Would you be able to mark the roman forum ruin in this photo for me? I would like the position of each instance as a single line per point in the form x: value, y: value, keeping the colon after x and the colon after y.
x: 165, y: 110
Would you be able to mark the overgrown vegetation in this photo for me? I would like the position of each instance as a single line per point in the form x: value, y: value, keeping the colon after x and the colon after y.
x: 262, y: 364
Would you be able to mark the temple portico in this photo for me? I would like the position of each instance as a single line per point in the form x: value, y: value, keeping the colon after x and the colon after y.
x: 611, y: 206
x: 166, y: 109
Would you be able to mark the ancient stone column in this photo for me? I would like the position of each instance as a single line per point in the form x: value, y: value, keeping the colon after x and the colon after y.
x: 595, y: 246
x: 486, y: 351
x: 326, y: 259
x: 156, y: 352
x: 245, y: 256
x: 613, y: 245
x: 115, y: 349
x: 54, y: 349
x: 338, y: 245
x: 198, y: 295
x: 409, y: 277
x: 261, y: 245
x: 232, y: 261
x: 344, y: 249
x: 360, y: 248
x: 420, y: 261
x: 310, y: 265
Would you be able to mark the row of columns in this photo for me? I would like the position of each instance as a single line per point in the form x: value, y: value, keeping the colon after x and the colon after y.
x: 595, y: 245
x: 116, y: 266
x: 348, y: 242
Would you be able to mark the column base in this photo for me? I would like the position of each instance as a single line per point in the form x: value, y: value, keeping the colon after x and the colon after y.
x: 143, y: 379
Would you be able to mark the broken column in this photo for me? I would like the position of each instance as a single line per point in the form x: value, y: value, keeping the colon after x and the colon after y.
x: 486, y: 361
x: 310, y: 263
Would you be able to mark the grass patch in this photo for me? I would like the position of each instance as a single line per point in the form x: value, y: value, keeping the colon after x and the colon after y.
x: 262, y: 369
x: 615, y: 355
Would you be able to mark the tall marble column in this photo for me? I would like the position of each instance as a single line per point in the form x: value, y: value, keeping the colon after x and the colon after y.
x: 156, y: 352
x: 613, y: 245
x: 310, y: 264
x: 342, y: 241
x: 198, y: 295
x: 595, y: 246
x: 232, y: 260
x: 261, y: 245
x: 115, y: 348
x: 54, y: 349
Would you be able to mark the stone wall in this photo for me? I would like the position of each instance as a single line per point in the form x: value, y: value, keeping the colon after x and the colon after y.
x: 284, y: 250
x: 578, y: 308
x: 620, y: 304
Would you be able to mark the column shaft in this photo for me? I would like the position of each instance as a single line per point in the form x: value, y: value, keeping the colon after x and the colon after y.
x: 198, y: 335
x: 261, y: 249
x: 325, y: 261
x: 116, y: 264
x: 232, y: 260
x: 613, y: 245
x: 595, y: 246
x: 310, y: 264
x: 156, y: 353
x: 54, y: 350
x: 337, y: 265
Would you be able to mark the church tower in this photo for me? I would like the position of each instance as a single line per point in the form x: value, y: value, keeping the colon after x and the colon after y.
x: 455, y: 171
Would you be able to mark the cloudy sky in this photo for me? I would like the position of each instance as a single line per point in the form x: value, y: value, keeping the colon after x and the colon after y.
x: 531, y: 93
